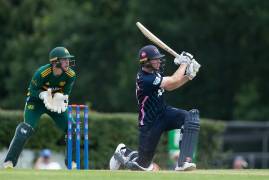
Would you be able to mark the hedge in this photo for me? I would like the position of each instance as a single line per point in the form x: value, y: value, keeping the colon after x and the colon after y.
x: 105, y: 132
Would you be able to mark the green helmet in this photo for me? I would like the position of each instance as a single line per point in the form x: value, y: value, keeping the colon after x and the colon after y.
x: 59, y: 53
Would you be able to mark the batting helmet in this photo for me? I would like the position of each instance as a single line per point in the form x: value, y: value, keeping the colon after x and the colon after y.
x: 148, y: 53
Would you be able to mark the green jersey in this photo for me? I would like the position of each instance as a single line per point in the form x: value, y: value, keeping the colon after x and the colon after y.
x: 44, y: 79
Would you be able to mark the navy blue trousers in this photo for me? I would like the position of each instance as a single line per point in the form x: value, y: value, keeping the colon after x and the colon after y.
x: 149, y: 135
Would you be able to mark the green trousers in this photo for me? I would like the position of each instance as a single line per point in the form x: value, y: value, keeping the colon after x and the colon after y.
x: 34, y: 108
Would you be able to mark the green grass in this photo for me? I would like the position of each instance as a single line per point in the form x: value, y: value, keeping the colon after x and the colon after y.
x: 17, y: 174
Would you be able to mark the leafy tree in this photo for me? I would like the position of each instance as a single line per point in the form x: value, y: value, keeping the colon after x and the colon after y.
x: 229, y: 38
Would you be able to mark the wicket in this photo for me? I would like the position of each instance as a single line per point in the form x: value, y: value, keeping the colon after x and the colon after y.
x: 69, y: 136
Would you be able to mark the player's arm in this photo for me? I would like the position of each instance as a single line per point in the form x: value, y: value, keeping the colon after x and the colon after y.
x: 36, y: 91
x: 188, y: 67
x: 36, y: 83
x: 178, y: 79
x: 69, y: 85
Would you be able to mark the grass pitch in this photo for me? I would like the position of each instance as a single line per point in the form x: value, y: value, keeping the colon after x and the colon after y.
x: 18, y: 174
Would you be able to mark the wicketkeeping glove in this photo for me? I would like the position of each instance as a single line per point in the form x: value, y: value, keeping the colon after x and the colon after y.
x: 60, y: 102
x: 46, y: 96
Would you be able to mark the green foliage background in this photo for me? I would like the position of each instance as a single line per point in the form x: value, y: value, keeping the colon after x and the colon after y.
x: 228, y: 37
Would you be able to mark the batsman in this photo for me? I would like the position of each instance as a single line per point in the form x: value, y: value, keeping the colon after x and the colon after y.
x: 156, y: 117
x: 48, y: 93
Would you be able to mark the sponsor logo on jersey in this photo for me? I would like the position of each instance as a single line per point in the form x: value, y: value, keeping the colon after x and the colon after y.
x: 55, y: 89
x: 157, y: 81
x: 160, y: 92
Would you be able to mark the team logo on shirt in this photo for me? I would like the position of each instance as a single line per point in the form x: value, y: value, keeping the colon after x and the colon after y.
x: 30, y: 107
x: 157, y: 81
x: 62, y: 83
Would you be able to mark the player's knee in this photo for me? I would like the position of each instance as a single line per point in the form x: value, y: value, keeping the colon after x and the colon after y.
x: 192, y: 121
x: 24, y: 130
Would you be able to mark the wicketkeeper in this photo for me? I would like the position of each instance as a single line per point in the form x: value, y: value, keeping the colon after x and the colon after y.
x: 156, y: 117
x: 48, y: 93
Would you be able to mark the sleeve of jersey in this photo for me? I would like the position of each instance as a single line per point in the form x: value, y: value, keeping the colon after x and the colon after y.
x: 69, y: 86
x: 35, y: 85
x: 152, y: 82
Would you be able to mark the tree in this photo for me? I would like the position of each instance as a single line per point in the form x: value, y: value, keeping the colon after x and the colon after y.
x: 226, y: 37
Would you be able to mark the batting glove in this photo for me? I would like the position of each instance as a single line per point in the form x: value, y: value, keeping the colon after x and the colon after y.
x: 192, y: 69
x: 183, y: 58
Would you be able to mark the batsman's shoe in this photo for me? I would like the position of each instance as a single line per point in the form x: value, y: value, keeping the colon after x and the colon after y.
x: 8, y: 165
x: 115, y: 163
x: 187, y: 166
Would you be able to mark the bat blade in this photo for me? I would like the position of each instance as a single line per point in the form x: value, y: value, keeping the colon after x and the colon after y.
x: 155, y: 39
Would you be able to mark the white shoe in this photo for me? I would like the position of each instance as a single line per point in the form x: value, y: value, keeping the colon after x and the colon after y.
x: 74, y: 165
x: 114, y: 164
x: 186, y: 167
x: 8, y: 165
